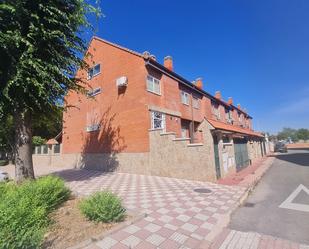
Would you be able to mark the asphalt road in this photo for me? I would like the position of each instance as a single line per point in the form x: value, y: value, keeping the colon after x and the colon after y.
x: 261, y: 212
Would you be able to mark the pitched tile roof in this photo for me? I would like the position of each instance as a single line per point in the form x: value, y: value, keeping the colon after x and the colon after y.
x: 227, y: 127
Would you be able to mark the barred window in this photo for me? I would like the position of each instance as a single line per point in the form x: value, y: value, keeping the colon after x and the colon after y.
x: 157, y: 120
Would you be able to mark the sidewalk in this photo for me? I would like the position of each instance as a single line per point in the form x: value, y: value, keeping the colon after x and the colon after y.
x: 177, y: 215
x: 249, y: 176
x: 232, y: 239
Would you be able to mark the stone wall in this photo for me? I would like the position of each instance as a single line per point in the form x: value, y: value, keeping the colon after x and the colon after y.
x: 178, y: 158
x: 226, y: 155
x: 168, y: 156
x: 254, y: 149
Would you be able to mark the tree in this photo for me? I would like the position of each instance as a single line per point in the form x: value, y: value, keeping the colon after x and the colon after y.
x: 49, y: 124
x: 287, y: 133
x: 6, y: 135
x: 302, y: 134
x: 41, y: 48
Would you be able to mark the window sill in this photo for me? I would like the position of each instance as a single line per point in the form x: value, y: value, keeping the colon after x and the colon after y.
x: 195, y: 145
x: 158, y: 94
x: 93, y: 76
x: 158, y: 129
x: 181, y: 139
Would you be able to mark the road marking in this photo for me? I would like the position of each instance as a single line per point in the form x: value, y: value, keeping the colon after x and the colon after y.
x: 288, y: 203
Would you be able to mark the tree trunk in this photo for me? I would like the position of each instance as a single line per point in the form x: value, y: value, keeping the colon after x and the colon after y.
x: 23, y: 147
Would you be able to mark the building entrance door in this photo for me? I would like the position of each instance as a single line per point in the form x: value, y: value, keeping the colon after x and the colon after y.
x: 217, y: 159
x: 241, y: 153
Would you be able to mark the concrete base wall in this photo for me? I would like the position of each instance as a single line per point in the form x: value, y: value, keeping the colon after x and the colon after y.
x: 168, y: 156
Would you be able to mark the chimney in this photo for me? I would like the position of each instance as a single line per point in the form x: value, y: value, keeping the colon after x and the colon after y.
x: 218, y: 95
x: 238, y: 106
x: 168, y: 62
x: 153, y: 57
x: 199, y: 83
x: 230, y: 101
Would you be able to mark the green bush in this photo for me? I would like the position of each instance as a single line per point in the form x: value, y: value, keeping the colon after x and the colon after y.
x: 103, y: 207
x: 25, y: 208
x: 37, y: 141
x: 4, y: 162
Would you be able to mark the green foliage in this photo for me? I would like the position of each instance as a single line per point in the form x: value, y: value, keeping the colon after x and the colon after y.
x: 24, y: 210
x: 48, y: 124
x: 41, y: 47
x: 6, y: 134
x: 302, y: 134
x: 295, y: 135
x: 4, y: 162
x: 37, y: 141
x: 44, y: 126
x: 103, y: 207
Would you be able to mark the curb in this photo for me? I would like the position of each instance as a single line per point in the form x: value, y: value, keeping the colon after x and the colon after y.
x: 93, y: 239
x: 223, y: 222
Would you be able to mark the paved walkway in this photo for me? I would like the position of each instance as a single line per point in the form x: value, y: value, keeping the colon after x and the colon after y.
x: 178, y: 217
x: 232, y: 239
x: 249, y: 176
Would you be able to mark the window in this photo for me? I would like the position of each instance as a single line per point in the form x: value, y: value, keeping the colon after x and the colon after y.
x: 44, y: 149
x: 153, y: 85
x: 157, y: 120
x: 196, y: 103
x: 226, y: 139
x: 94, y: 92
x: 240, y: 117
x: 56, y: 148
x: 185, y: 98
x: 216, y: 110
x: 93, y: 127
x: 184, y: 132
x: 228, y: 115
x: 38, y: 151
x: 93, y: 71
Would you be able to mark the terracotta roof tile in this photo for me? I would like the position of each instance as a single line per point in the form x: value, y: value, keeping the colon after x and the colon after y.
x: 52, y: 141
x: 227, y: 127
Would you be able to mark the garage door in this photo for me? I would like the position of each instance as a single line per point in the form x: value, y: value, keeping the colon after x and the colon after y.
x: 241, y: 153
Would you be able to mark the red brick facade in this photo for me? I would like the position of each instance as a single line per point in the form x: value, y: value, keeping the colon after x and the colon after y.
x: 124, y: 113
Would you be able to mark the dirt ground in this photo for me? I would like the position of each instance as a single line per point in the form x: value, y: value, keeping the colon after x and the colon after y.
x: 70, y: 227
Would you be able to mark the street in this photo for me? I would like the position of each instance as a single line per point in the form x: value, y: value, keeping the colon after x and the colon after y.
x: 279, y: 205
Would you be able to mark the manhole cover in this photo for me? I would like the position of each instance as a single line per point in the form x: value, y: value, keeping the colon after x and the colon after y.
x: 202, y: 190
x: 249, y: 204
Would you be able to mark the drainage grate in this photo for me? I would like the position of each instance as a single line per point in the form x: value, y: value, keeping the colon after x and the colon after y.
x: 203, y: 190
x: 249, y: 204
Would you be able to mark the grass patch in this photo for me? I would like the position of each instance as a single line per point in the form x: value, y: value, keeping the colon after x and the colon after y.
x: 103, y: 207
x: 25, y: 209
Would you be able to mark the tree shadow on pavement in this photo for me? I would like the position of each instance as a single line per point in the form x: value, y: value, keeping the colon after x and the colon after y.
x: 75, y: 175
x: 298, y: 158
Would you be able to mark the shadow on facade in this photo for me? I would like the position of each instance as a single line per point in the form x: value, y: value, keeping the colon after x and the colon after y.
x: 103, y: 143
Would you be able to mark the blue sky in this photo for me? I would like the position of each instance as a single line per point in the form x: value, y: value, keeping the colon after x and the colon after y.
x: 256, y: 51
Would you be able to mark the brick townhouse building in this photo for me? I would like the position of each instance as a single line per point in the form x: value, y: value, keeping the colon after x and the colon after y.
x: 142, y: 117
